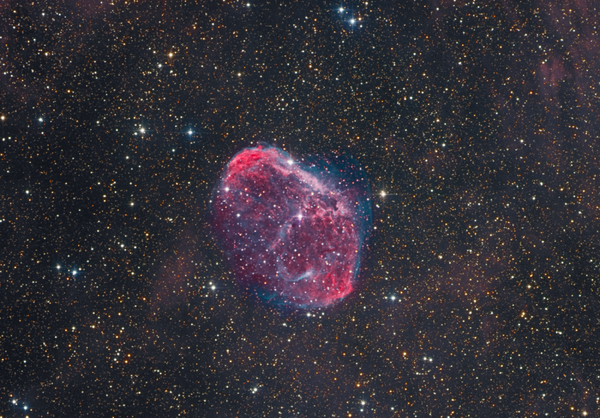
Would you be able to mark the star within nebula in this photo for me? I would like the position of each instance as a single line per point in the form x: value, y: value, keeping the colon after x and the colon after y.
x: 293, y: 231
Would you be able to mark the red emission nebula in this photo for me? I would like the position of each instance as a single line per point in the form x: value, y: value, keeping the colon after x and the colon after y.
x: 292, y: 231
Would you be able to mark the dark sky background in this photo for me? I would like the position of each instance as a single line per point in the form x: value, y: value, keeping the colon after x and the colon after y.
x: 478, y: 293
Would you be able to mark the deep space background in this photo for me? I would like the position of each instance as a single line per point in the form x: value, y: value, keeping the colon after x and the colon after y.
x: 476, y: 121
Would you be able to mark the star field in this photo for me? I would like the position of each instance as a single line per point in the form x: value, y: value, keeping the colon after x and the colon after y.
x: 476, y: 122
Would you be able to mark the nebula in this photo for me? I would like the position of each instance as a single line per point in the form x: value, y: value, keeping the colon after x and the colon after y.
x: 292, y: 231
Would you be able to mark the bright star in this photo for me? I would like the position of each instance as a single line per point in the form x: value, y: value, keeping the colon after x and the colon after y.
x: 190, y: 132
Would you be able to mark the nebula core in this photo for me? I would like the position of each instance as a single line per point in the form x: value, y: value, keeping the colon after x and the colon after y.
x: 293, y: 231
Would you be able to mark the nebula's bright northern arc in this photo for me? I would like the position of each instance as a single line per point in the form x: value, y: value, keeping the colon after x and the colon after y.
x: 292, y: 230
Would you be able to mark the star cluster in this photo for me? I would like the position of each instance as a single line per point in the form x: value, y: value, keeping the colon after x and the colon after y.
x: 477, y: 123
